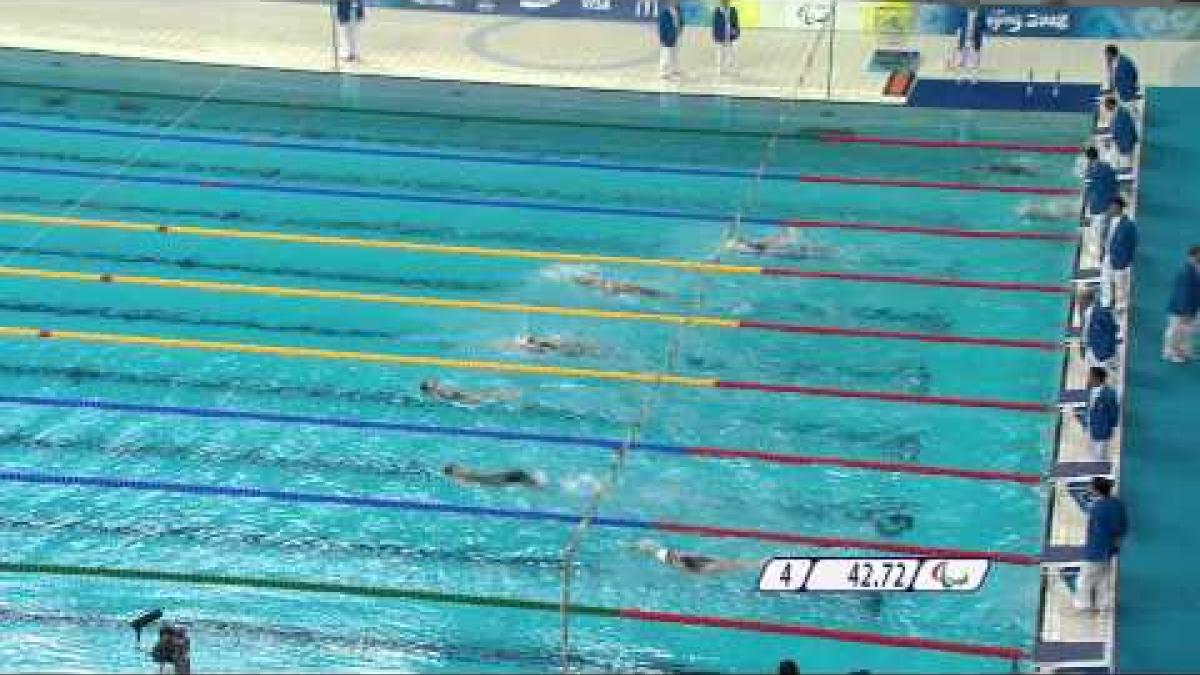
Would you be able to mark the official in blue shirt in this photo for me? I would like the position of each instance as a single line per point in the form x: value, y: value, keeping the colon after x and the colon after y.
x: 726, y: 31
x: 1123, y: 131
x: 1122, y: 74
x: 1182, y: 310
x: 971, y: 30
x: 1117, y: 261
x: 1107, y: 525
x: 670, y: 30
x: 1098, y: 331
x: 350, y: 17
x: 1102, y: 414
x: 1099, y: 189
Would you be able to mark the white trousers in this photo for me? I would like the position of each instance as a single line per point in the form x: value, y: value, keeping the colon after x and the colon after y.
x: 1091, y: 589
x: 1114, y: 287
x: 647, y: 8
x: 968, y: 62
x: 1098, y: 450
x: 726, y: 58
x: 668, y: 61
x: 350, y: 39
x: 1177, y: 341
x: 1095, y: 234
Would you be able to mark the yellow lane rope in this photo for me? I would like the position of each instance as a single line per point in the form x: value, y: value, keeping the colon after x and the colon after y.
x: 365, y: 357
x: 414, y: 247
x: 379, y: 298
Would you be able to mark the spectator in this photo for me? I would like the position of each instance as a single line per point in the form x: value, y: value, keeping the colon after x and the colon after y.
x: 1123, y: 131
x: 1117, y: 259
x: 970, y: 42
x: 1098, y: 334
x: 1101, y: 415
x: 788, y: 667
x: 1099, y: 191
x: 350, y: 16
x: 726, y: 31
x: 1106, y: 525
x: 1182, y: 309
x: 670, y: 30
x: 1121, y: 75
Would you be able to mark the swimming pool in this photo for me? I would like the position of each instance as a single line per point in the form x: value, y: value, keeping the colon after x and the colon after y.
x: 220, y: 290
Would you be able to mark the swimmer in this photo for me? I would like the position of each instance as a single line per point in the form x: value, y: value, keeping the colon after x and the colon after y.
x: 1055, y: 210
x: 1006, y: 169
x: 511, y: 478
x: 593, y: 280
x: 894, y: 524
x: 692, y: 562
x: 553, y: 344
x: 434, y: 389
x: 784, y: 243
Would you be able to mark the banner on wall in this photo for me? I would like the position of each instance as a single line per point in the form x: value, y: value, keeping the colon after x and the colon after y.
x: 882, y: 17
x: 1142, y: 23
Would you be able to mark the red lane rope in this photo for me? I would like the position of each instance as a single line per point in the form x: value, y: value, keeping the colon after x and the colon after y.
x: 934, y: 231
x: 1007, y: 653
x: 901, y: 335
x: 916, y: 281
x: 871, y: 465
x: 840, y: 542
x: 939, y: 185
x: 1022, y: 406
x: 930, y: 143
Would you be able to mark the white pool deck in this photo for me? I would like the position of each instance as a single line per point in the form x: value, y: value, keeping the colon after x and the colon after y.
x: 601, y: 55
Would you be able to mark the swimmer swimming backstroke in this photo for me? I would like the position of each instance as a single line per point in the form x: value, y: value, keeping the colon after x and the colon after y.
x: 553, y: 344
x: 510, y: 478
x: 613, y: 287
x: 692, y: 563
x: 435, y: 389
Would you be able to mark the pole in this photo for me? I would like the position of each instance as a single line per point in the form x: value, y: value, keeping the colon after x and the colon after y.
x: 832, y: 25
x: 333, y: 36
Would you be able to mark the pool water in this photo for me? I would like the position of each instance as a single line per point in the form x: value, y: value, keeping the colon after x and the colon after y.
x: 101, y: 141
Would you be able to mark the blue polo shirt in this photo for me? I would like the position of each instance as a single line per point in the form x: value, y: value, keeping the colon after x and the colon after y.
x: 1106, y: 525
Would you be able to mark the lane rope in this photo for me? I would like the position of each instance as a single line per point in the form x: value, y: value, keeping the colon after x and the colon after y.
x: 87, y: 337
x: 459, y: 158
x: 935, y: 143
x: 634, y: 614
x: 419, y: 198
x: 607, y: 444
x: 390, y: 503
x: 688, y: 320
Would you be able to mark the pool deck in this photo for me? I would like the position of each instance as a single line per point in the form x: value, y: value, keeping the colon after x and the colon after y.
x: 604, y: 55
x: 485, y: 48
x: 1160, y: 605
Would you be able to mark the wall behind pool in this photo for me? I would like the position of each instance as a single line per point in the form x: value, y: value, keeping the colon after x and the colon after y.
x: 1125, y: 23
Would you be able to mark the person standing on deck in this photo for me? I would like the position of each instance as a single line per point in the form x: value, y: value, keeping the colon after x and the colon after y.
x: 970, y: 42
x: 1182, y: 310
x: 1121, y: 75
x: 350, y: 16
x: 1101, y: 415
x: 670, y: 31
x: 1099, y: 190
x: 1117, y: 259
x: 1107, y: 524
x: 1123, y: 131
x: 726, y: 31
x: 1098, y: 332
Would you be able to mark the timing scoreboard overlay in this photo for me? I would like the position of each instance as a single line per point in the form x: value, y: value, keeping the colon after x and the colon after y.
x: 954, y: 575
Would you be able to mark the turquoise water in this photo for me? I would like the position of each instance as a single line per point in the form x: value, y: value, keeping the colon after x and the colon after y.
x: 82, y: 137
